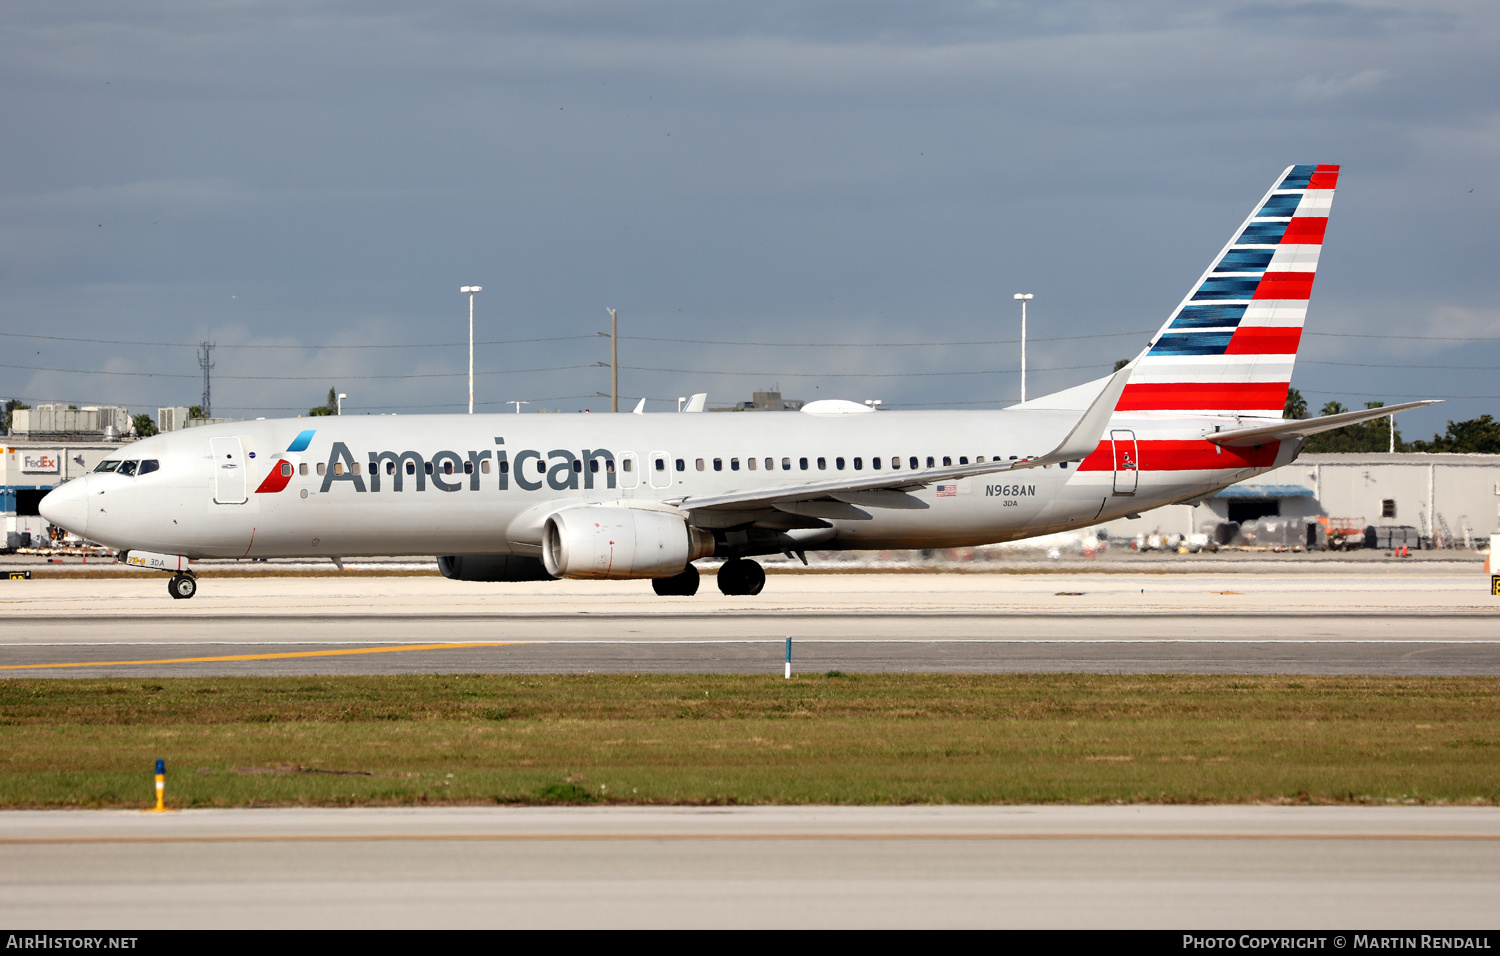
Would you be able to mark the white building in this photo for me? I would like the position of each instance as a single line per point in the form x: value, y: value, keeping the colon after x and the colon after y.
x: 1445, y: 500
x: 57, y: 421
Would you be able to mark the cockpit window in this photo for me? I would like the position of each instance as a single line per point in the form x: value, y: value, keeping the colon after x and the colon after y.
x: 107, y: 465
x: 148, y: 465
x: 127, y: 468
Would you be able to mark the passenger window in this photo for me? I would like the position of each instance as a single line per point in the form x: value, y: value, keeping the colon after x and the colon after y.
x: 803, y: 463
x: 577, y: 466
x: 338, y: 468
x: 859, y: 464
x: 594, y: 466
x: 323, y: 469
x: 427, y: 466
x: 484, y: 467
x: 930, y: 462
x: 661, y: 464
x: 541, y: 467
x: 148, y: 466
x: 912, y: 462
x: 609, y: 466
x: 822, y: 464
x: 979, y: 459
x: 751, y: 463
x: 838, y: 463
x: 734, y: 464
x: 718, y: 464
x: 286, y: 469
x: 963, y: 459
x: 356, y: 467
x: 1012, y: 457
x: 411, y: 468
x: 1064, y: 464
x: 895, y: 461
x: 628, y: 464
x: 770, y: 464
x: 786, y: 464
x: 504, y: 467
x: 947, y: 461
x: 681, y: 465
x: 468, y: 468
x: 127, y: 468
x: 700, y: 464
x: 302, y: 469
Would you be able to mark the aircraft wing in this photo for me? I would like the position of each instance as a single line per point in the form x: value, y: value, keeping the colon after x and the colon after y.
x: 1301, y: 428
x: 1078, y: 444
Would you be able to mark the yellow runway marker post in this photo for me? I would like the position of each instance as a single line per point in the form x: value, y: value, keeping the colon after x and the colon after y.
x: 161, y: 788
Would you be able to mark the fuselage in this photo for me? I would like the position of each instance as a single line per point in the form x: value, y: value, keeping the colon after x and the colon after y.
x: 485, y: 484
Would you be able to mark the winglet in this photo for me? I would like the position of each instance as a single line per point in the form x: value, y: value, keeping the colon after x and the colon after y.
x: 696, y: 403
x: 1084, y: 438
x: 640, y: 408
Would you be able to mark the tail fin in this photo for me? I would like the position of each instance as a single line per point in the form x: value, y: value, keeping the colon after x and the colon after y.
x: 1228, y: 348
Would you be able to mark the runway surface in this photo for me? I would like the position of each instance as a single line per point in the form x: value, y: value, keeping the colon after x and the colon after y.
x: 865, y: 867
x: 1362, y: 618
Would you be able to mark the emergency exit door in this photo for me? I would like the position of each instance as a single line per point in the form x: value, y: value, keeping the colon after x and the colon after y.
x: 229, y: 471
x: 1127, y: 461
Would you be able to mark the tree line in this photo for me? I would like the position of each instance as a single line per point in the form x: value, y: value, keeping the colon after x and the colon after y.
x: 1475, y: 436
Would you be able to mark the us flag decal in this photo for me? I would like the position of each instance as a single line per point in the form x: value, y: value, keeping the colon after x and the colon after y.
x: 947, y: 491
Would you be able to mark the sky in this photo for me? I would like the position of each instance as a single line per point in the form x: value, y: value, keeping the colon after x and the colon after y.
x: 836, y: 199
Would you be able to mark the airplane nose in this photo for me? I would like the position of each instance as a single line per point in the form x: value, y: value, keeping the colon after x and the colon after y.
x: 67, y: 505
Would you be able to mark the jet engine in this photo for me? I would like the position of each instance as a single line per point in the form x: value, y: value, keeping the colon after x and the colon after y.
x: 492, y: 567
x: 604, y: 542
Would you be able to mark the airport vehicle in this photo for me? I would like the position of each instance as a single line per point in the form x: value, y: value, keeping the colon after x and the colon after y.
x: 512, y: 498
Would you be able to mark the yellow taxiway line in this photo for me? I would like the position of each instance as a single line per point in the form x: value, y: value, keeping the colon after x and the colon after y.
x: 267, y: 657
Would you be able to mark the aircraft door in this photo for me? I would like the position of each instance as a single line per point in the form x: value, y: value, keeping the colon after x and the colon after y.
x: 659, y: 469
x: 630, y: 470
x: 1127, y: 460
x: 229, y: 471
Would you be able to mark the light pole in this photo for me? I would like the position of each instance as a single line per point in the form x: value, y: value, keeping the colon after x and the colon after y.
x: 517, y: 404
x: 1023, y: 297
x: 471, y: 289
x: 341, y: 398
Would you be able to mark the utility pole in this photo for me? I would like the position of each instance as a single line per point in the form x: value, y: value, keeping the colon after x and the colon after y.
x: 614, y: 360
x: 205, y: 350
x: 471, y: 289
x: 1024, y: 297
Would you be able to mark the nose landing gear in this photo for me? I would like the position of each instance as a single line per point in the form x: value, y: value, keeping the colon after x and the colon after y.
x: 741, y: 576
x: 182, y: 586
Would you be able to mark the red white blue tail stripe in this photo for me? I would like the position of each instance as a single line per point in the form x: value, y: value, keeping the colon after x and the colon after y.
x: 1228, y: 348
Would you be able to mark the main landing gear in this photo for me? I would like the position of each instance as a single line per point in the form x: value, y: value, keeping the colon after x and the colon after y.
x: 741, y: 576
x: 679, y: 585
x: 182, y: 586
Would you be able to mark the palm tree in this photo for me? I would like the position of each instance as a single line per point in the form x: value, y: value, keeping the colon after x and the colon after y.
x: 1296, y: 405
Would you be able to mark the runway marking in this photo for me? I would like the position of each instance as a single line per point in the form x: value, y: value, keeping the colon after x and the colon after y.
x: 735, y: 837
x: 779, y: 641
x: 263, y: 657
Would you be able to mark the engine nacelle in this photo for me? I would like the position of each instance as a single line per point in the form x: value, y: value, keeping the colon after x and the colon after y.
x: 492, y: 567
x: 603, y: 542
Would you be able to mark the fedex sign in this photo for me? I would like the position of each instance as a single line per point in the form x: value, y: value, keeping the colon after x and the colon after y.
x: 38, y: 464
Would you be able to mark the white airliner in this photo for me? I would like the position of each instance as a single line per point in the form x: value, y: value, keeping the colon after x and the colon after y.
x: 519, y: 498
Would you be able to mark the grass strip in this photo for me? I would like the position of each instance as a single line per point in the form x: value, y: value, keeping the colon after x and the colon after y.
x: 691, y: 739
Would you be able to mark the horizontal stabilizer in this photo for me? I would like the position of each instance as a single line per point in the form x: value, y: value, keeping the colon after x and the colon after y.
x: 1301, y: 428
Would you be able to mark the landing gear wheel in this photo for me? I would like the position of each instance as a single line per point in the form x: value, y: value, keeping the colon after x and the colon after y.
x: 679, y: 585
x: 182, y: 586
x: 741, y: 577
